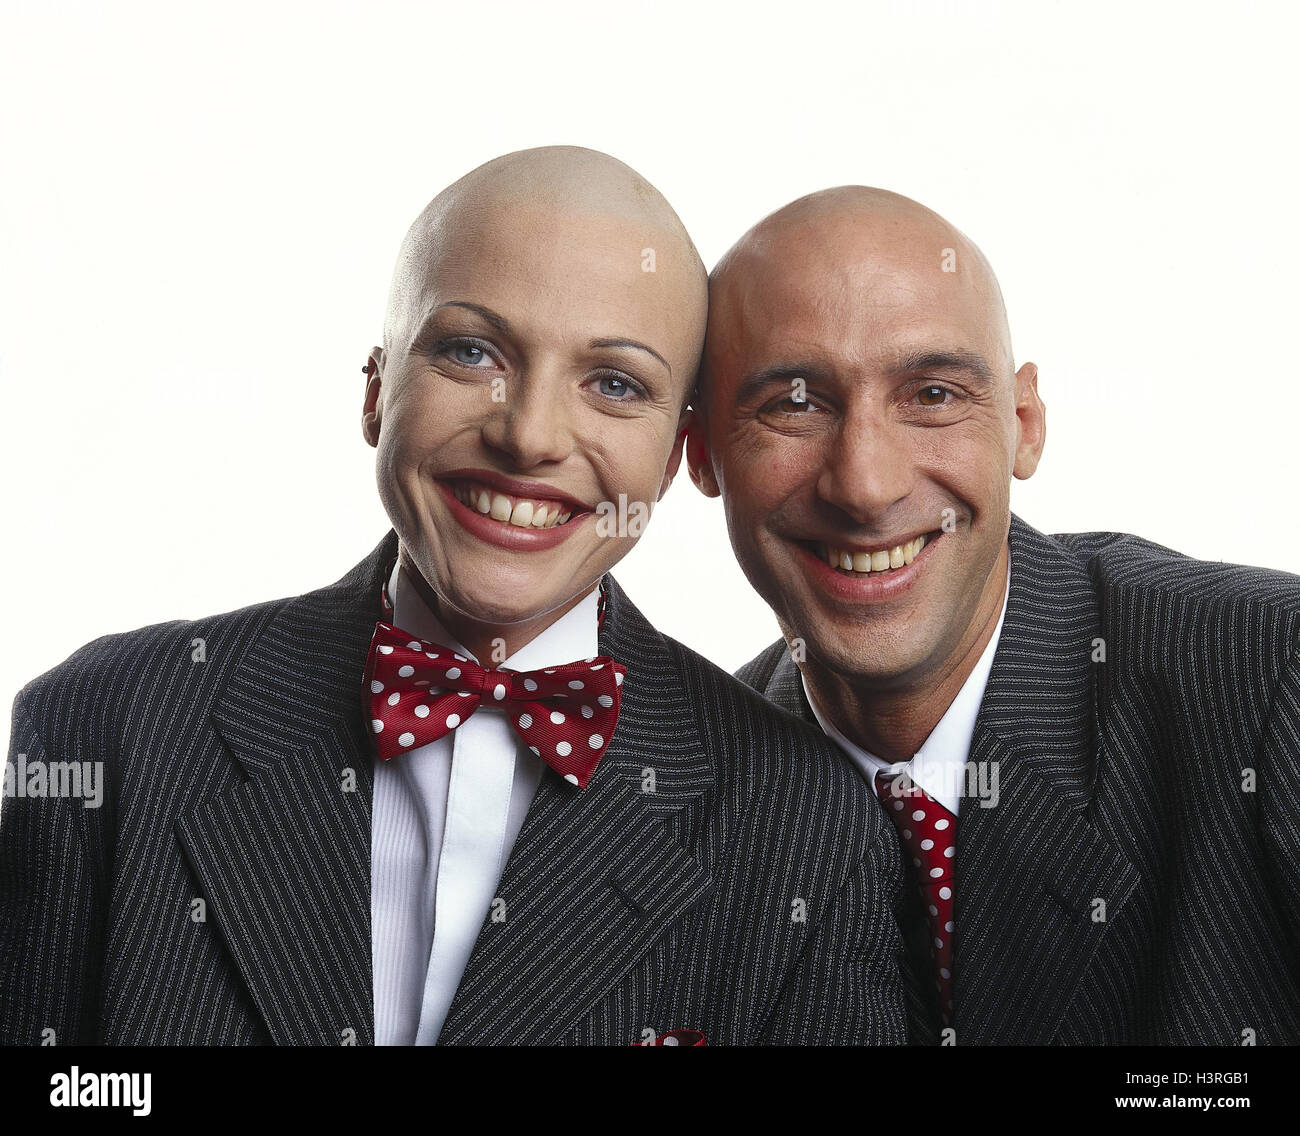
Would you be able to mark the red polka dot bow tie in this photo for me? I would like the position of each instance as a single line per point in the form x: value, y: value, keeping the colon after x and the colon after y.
x: 419, y: 691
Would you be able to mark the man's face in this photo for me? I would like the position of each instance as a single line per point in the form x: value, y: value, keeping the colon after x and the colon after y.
x: 542, y: 373
x: 860, y: 399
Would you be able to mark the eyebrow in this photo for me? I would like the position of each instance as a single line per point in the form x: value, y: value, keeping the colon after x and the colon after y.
x: 967, y: 361
x: 782, y: 373
x: 503, y: 325
x: 497, y: 321
x: 633, y: 344
x: 785, y: 373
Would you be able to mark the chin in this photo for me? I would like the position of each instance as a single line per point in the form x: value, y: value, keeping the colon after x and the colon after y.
x: 876, y: 653
x: 500, y: 606
x: 508, y: 598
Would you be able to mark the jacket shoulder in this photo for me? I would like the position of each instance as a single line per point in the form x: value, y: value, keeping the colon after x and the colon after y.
x: 1206, y: 640
x: 759, y: 670
x: 758, y: 739
x: 185, y: 661
x: 1143, y: 567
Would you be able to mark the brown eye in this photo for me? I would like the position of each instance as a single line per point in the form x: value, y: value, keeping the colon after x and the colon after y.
x: 931, y: 396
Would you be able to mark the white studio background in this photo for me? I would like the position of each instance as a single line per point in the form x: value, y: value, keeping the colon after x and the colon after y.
x: 200, y: 207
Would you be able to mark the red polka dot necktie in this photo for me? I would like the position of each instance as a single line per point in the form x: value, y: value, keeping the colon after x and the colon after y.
x: 419, y: 691
x: 929, y: 833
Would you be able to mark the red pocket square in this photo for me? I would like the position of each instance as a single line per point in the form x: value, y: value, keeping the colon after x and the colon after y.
x: 677, y: 1037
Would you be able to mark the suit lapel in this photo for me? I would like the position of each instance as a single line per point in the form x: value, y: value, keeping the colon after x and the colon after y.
x: 284, y: 860
x: 1032, y: 872
x: 1031, y: 868
x: 597, y: 876
x: 785, y: 689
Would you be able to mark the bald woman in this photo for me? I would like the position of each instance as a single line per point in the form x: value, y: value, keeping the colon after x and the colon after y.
x: 465, y: 794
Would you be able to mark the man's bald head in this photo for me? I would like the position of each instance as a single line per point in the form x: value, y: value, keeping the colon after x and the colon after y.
x: 857, y: 244
x: 547, y: 188
x: 863, y: 423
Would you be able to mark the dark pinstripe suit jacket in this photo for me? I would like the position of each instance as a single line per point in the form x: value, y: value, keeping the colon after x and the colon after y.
x: 1126, y: 781
x: 245, y: 781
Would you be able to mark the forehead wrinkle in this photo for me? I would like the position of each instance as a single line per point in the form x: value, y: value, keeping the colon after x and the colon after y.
x: 864, y: 240
x: 809, y: 334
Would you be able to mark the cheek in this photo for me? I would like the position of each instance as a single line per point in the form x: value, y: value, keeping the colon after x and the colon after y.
x: 762, y: 467
x: 970, y: 458
x: 417, y: 422
x: 631, y: 456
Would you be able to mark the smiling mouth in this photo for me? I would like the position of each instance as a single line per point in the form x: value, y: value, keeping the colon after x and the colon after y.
x: 522, y: 512
x: 873, y: 562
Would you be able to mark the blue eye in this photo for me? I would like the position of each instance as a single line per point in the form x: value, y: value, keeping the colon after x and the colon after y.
x: 614, y: 387
x: 468, y: 354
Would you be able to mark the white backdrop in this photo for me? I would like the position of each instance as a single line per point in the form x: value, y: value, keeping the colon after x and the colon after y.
x: 200, y: 207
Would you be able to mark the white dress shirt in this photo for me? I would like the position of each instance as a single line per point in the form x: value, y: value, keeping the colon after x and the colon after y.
x: 444, y: 821
x: 939, y: 766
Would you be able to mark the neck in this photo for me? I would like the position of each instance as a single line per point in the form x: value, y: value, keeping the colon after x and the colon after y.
x: 893, y: 721
x: 490, y: 643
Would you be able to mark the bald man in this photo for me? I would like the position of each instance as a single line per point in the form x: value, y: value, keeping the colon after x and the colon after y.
x: 467, y: 794
x: 1089, y: 744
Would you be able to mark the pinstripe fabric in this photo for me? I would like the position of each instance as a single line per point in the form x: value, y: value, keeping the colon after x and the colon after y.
x: 1128, y: 781
x: 725, y: 869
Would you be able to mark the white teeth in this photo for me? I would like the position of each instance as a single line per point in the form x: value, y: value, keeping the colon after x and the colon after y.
x: 882, y: 560
x: 511, y: 510
x: 523, y: 514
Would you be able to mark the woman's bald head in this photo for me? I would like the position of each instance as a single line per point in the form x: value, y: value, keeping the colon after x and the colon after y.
x: 564, y: 193
x: 545, y: 323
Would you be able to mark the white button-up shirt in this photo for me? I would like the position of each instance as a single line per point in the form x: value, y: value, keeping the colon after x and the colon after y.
x: 939, y: 766
x: 444, y: 821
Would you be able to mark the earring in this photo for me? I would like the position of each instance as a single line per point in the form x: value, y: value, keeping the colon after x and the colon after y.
x: 369, y: 368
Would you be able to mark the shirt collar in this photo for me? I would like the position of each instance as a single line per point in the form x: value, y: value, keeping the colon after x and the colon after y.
x: 939, y: 766
x: 573, y: 636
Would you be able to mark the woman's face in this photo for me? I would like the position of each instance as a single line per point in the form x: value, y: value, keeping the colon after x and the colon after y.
x: 539, y: 381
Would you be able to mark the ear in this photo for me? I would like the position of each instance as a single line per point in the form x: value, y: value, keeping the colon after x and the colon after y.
x: 372, y: 407
x: 675, y: 457
x: 1031, y: 422
x: 698, y: 460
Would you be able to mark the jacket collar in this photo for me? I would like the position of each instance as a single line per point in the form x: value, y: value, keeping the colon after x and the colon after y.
x: 596, y: 876
x: 1038, y: 888
x: 284, y: 860
x: 1031, y: 869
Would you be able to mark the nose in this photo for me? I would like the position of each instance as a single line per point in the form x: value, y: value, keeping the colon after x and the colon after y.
x: 531, y: 425
x: 869, y: 468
